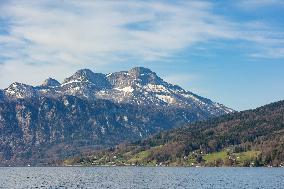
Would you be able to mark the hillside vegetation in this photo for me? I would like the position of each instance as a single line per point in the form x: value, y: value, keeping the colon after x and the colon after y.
x: 248, y: 138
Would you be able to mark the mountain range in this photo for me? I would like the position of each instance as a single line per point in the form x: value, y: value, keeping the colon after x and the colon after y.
x: 89, y: 111
x: 138, y: 86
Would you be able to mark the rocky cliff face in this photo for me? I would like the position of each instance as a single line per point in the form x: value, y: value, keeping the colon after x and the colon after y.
x: 89, y: 110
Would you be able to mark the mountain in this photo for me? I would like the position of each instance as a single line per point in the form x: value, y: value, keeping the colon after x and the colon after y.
x: 248, y: 138
x: 50, y: 82
x: 138, y: 86
x: 91, y: 110
x: 1, y: 95
x: 20, y: 91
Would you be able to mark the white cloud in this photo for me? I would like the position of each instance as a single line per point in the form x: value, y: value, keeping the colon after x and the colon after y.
x: 45, y: 36
x: 100, y: 27
x: 269, y: 53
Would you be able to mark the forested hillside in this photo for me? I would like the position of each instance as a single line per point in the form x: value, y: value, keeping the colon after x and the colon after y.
x: 248, y: 138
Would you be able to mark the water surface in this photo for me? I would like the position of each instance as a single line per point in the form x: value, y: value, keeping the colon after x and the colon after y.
x: 140, y: 177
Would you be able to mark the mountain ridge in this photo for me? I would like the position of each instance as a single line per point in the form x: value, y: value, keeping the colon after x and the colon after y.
x: 137, y: 86
x: 88, y: 111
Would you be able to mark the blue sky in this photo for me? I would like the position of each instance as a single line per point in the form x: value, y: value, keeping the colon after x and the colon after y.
x: 229, y: 51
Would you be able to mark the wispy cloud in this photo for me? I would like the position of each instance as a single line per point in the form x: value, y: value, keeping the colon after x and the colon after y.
x: 62, y: 34
x: 254, y: 4
x: 102, y: 28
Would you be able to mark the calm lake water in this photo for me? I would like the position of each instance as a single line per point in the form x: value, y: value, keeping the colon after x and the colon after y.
x: 140, y: 177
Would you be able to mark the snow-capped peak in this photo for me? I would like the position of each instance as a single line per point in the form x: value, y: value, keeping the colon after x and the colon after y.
x: 96, y: 81
x: 138, y: 86
x: 83, y: 75
x: 50, y: 82
x: 20, y: 90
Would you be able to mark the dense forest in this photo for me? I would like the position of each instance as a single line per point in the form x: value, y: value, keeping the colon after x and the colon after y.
x: 248, y: 138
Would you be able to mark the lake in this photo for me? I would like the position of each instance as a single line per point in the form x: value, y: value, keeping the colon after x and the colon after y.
x: 140, y: 177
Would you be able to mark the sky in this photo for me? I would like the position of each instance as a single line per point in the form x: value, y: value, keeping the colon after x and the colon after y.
x: 229, y: 51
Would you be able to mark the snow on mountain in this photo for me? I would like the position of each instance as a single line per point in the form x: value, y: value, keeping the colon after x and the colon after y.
x: 138, y: 86
x: 20, y: 91
x: 90, y: 109
x: 50, y: 82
